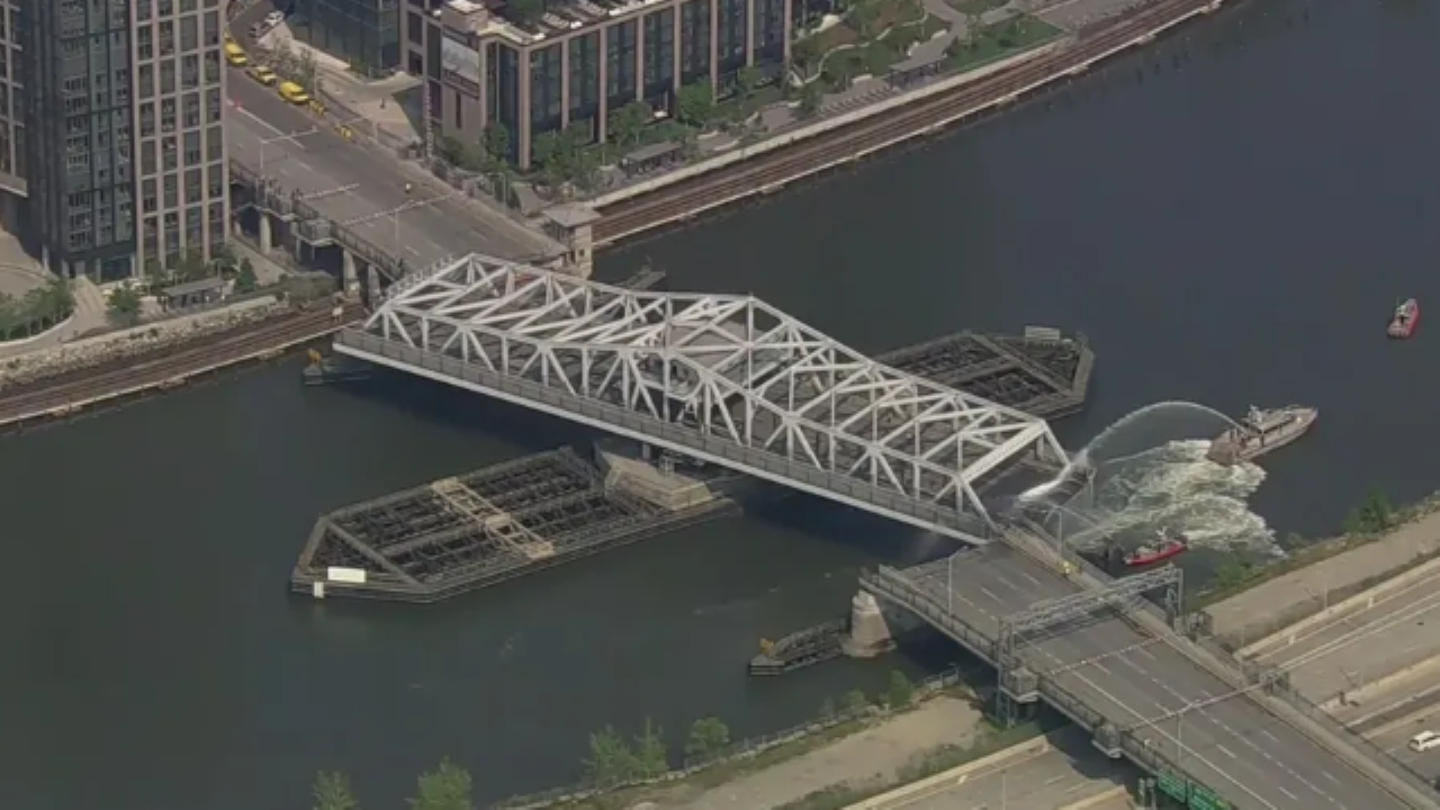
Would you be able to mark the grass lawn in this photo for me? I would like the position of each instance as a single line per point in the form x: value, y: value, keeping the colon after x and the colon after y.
x: 1003, y: 40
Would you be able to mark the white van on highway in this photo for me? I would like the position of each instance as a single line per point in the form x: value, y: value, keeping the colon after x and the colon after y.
x: 1424, y: 741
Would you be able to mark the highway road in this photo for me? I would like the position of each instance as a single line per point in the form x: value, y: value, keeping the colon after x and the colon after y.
x: 1069, y: 773
x: 1393, y: 739
x: 1228, y: 741
x: 1397, y: 631
x: 374, y: 185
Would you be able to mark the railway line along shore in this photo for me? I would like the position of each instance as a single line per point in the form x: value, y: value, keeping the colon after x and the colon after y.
x: 881, y: 126
x: 167, y: 364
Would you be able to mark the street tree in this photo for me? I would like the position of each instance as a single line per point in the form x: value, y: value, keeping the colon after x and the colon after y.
x: 448, y: 787
x: 282, y: 57
x: 192, y: 266
x: 332, y: 792
x: 611, y: 762
x: 708, y: 736
x: 123, y: 309
x: 695, y: 104
x: 306, y: 71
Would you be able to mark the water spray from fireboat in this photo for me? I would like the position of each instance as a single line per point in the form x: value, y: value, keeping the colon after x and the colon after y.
x: 1147, y: 474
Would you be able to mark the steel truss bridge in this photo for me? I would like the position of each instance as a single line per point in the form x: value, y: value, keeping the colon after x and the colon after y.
x: 723, y: 378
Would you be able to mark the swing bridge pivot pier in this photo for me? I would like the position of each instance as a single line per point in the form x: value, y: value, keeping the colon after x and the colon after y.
x: 1122, y: 659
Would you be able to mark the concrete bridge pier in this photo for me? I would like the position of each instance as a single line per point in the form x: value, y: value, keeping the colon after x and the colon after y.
x: 869, y: 631
x: 349, y: 277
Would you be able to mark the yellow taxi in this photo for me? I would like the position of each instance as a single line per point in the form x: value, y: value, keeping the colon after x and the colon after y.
x: 293, y: 93
x: 263, y: 75
x: 235, y: 55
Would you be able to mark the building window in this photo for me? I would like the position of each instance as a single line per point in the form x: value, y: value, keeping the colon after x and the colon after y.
x: 148, y: 201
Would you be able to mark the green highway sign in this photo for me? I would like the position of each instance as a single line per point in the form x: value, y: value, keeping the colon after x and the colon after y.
x: 1202, y: 798
x: 1172, y: 786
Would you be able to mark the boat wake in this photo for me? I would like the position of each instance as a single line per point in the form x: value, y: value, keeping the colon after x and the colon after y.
x: 1171, y: 486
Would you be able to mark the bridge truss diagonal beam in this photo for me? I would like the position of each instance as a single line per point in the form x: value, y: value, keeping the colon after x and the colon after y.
x: 726, y: 368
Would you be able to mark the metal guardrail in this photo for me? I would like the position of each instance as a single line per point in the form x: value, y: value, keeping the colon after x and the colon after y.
x: 895, y: 586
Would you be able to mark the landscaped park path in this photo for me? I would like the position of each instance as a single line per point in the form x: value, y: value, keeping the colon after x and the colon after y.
x: 873, y: 756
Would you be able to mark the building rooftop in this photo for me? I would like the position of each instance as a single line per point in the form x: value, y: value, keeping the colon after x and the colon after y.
x: 571, y: 215
x: 514, y: 21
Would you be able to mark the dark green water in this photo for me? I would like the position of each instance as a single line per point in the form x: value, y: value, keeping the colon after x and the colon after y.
x: 1229, y: 216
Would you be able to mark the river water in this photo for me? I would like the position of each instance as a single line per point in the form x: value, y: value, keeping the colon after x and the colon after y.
x: 1229, y: 216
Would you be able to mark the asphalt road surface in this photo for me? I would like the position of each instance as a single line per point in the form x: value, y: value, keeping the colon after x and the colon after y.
x: 1397, y: 631
x: 1071, y: 772
x: 1394, y: 741
x: 1227, y: 741
x: 362, y: 189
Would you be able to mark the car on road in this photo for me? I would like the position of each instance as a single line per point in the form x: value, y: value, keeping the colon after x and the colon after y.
x: 1424, y: 741
x: 294, y: 93
x: 263, y: 75
x: 235, y: 55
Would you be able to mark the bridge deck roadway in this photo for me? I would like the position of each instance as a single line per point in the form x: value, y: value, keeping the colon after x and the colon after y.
x: 325, y: 161
x: 1231, y: 744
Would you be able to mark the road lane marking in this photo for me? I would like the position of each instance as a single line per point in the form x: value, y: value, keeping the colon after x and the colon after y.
x: 1271, y: 737
x: 1292, y: 796
x: 1163, y: 733
x: 1227, y: 752
x: 262, y: 122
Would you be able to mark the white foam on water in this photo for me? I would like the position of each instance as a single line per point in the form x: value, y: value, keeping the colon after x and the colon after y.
x: 1172, y: 486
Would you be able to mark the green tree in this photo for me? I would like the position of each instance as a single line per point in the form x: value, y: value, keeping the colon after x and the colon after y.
x: 245, y: 278
x: 611, y: 762
x: 812, y: 95
x: 806, y: 53
x: 332, y: 792
x: 1374, y: 516
x: 496, y: 142
x: 863, y: 18
x: 123, y: 308
x: 652, y: 756
x: 899, y: 693
x: 192, y: 266
x: 695, y: 104
x: 1232, y: 573
x: 222, y: 257
x: 854, y: 701
x: 747, y: 79
x: 827, y: 709
x: 628, y: 122
x: 708, y: 736
x: 448, y: 787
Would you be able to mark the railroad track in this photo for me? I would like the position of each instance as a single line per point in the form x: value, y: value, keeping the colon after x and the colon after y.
x: 630, y: 217
x: 161, y: 369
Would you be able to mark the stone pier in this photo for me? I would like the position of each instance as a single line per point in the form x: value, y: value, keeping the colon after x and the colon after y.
x: 869, y: 631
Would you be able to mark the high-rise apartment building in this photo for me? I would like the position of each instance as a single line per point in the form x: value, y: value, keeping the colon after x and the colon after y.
x: 115, y: 125
x: 365, y: 33
x: 537, y: 66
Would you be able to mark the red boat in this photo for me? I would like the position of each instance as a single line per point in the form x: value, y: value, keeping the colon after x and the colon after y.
x: 1405, y: 319
x: 1173, y: 544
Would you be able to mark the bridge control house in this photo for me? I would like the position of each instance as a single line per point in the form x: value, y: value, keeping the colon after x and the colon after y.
x: 538, y: 66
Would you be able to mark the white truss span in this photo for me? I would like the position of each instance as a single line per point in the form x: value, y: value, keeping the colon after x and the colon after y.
x: 725, y: 378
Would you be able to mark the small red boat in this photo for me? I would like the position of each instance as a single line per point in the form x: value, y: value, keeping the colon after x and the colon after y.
x: 1172, y: 544
x: 1405, y: 320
